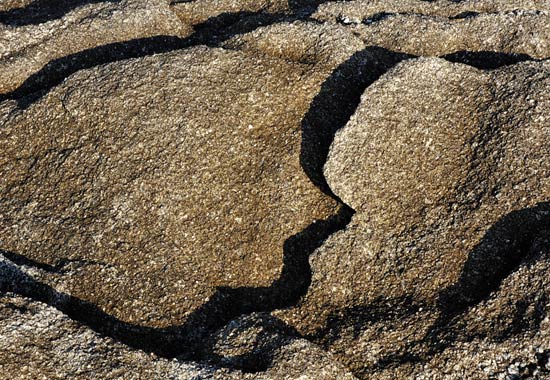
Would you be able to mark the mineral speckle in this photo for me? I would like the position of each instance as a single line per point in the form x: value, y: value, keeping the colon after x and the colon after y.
x: 274, y: 190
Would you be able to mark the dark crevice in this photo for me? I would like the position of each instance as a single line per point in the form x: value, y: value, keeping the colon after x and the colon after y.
x: 40, y: 11
x: 336, y: 102
x: 464, y: 15
x: 520, y: 237
x: 186, y: 341
x: 377, y: 17
x: 58, y: 268
x: 487, y: 60
x: 505, y: 245
x: 52, y: 74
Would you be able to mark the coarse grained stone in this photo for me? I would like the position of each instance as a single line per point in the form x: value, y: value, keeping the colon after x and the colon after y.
x: 157, y: 180
x: 446, y: 167
x: 27, y: 48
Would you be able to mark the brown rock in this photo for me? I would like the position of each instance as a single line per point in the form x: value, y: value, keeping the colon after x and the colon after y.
x: 356, y: 11
x: 514, y: 32
x: 28, y: 46
x: 159, y: 179
x: 437, y: 161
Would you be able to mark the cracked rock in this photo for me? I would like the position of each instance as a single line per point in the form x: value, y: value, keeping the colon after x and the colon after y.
x: 27, y: 46
x: 446, y: 167
x: 359, y: 10
x: 173, y: 174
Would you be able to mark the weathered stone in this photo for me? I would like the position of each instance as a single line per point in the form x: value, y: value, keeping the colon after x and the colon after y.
x: 38, y: 341
x: 26, y: 47
x: 168, y: 203
x: 161, y: 179
x: 445, y: 165
x: 518, y: 32
x: 258, y: 342
x: 357, y: 11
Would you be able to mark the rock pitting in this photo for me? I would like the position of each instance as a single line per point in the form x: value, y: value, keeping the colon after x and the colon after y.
x: 274, y: 189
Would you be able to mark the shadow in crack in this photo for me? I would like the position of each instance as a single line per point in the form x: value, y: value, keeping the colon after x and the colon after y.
x: 341, y: 93
x: 212, y: 33
x: 187, y: 340
x: 336, y: 102
x: 53, y: 73
x: 505, y: 245
x: 520, y: 237
x: 40, y: 11
x: 487, y: 60
x: 228, y: 303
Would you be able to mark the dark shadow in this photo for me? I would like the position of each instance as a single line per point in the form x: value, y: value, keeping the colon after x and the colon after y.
x: 505, y: 245
x: 336, y: 102
x: 378, y: 17
x: 519, y: 237
x: 186, y: 341
x: 40, y: 11
x: 487, y: 60
x: 356, y: 318
x: 228, y: 303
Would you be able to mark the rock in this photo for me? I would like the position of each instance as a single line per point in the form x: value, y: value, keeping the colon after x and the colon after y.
x: 357, y: 11
x: 37, y: 341
x: 8, y: 5
x: 149, y: 183
x: 300, y: 41
x: 444, y: 165
x: 258, y: 342
x: 518, y: 32
x: 167, y: 209
x: 201, y: 11
x: 31, y: 39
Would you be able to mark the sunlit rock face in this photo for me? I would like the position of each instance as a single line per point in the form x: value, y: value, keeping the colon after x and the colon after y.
x: 293, y: 189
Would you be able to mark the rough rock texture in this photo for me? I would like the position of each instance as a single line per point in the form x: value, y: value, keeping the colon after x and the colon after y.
x: 30, y: 39
x: 445, y: 165
x: 164, y: 212
x: 515, y: 32
x: 360, y: 10
x: 7, y: 5
x: 159, y: 188
x: 38, y: 341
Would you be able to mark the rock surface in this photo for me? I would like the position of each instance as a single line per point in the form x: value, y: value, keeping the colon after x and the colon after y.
x: 30, y: 39
x: 164, y: 186
x: 167, y: 209
x: 445, y: 174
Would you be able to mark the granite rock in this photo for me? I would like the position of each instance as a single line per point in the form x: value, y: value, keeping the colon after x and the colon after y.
x: 167, y: 209
x: 446, y: 167
x: 31, y: 38
x: 154, y: 181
